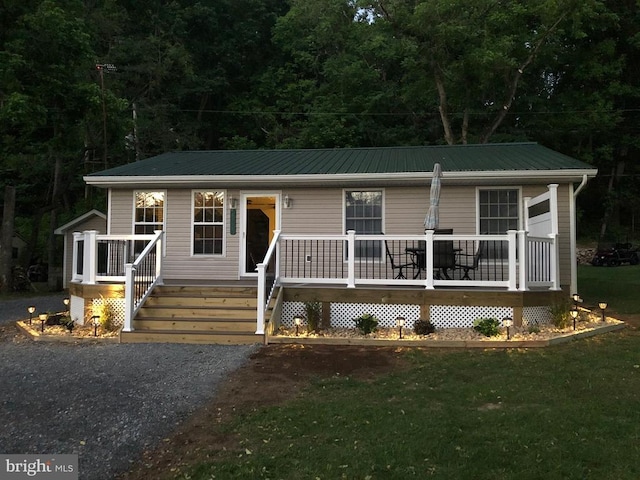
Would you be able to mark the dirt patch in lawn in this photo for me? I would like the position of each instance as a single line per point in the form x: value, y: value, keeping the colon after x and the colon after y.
x: 273, y: 375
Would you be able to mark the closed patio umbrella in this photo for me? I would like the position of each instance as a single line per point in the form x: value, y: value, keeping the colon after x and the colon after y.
x: 432, y: 218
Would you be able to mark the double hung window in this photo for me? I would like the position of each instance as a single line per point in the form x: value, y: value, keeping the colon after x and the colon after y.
x: 208, y: 223
x: 364, y: 214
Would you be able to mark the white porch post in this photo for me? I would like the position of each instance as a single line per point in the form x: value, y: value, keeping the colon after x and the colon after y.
x: 159, y: 250
x: 128, y: 297
x: 429, y: 258
x: 523, y: 259
x: 262, y: 297
x: 77, y: 237
x: 555, y: 262
x: 512, y: 234
x: 351, y: 254
x: 90, y: 257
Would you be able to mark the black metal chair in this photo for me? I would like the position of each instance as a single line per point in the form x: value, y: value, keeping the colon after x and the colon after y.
x: 444, y: 255
x: 467, y: 266
x: 395, y: 266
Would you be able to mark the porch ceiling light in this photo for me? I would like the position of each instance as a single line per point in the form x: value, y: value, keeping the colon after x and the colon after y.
x: 297, y: 320
x: 508, y: 322
x: 31, y: 309
x: 95, y: 321
x: 43, y: 318
x: 603, y: 307
x: 400, y: 321
x: 574, y: 314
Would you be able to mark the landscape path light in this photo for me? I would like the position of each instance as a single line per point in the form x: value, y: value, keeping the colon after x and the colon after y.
x: 603, y: 307
x: 31, y: 309
x: 95, y: 321
x: 574, y: 314
x: 508, y: 322
x: 576, y: 300
x: 297, y: 320
x: 43, y: 318
x: 400, y: 323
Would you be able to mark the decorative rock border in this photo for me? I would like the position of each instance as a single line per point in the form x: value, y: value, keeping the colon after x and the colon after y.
x: 36, y: 336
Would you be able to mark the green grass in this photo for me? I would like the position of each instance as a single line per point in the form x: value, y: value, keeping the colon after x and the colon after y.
x: 567, y: 412
x: 619, y: 286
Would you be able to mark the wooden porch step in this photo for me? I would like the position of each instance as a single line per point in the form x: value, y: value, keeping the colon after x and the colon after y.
x: 197, y: 314
x: 221, y: 325
x: 177, y: 312
x: 206, y: 290
x: 189, y: 300
x: 178, y: 336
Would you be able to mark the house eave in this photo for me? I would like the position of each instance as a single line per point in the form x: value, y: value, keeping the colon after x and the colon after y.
x: 402, y: 178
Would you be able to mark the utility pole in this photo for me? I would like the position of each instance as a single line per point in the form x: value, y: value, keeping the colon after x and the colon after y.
x: 102, y: 69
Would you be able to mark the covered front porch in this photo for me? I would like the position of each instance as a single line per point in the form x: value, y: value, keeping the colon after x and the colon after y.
x: 448, y: 279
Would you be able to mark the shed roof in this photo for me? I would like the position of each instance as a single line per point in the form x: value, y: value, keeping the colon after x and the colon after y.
x: 381, y: 165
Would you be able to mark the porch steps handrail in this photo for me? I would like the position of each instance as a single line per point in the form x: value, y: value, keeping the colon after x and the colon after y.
x: 265, y: 290
x: 141, y: 277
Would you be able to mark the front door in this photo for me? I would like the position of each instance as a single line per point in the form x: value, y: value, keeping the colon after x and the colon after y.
x: 260, y: 214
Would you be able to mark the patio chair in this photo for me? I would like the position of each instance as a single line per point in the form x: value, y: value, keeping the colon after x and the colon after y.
x: 395, y: 266
x: 444, y: 255
x: 467, y: 266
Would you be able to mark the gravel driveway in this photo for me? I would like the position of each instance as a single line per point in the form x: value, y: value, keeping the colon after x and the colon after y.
x: 105, y: 402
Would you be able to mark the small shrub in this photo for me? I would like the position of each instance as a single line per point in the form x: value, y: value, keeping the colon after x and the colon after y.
x: 489, y: 327
x: 533, y: 328
x: 106, y: 313
x: 366, y: 323
x: 560, y: 316
x: 423, y: 327
x: 313, y: 311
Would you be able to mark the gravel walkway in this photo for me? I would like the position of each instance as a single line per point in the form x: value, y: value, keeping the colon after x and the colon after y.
x: 105, y: 402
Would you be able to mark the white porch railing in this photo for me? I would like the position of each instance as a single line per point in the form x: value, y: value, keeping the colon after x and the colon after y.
x: 135, y: 260
x: 514, y: 261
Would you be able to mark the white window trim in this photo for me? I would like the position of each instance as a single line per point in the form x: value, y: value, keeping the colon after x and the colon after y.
x: 164, y: 208
x: 225, y: 210
x: 520, y: 214
x: 381, y: 258
x: 520, y: 204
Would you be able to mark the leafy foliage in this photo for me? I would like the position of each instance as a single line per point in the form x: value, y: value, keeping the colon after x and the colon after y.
x: 423, y: 327
x: 366, y: 323
x: 489, y: 327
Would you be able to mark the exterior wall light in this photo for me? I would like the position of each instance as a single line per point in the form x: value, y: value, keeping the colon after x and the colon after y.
x: 297, y: 320
x: 508, y: 322
x: 286, y: 201
x: 31, y: 309
x: 603, y: 307
x: 400, y: 321
x: 43, y: 318
x: 574, y: 314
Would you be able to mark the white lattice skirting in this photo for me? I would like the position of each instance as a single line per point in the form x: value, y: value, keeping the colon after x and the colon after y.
x: 442, y: 316
x: 117, y: 307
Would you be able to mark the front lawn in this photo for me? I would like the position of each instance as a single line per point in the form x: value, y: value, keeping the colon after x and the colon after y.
x: 567, y: 412
x: 619, y: 286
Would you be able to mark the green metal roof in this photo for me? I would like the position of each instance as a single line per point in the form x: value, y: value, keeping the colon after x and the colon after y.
x: 453, y: 158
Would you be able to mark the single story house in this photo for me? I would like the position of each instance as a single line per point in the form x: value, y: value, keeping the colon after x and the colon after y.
x: 208, y: 246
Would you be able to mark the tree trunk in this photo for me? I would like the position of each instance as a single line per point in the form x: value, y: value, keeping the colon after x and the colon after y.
x: 444, y: 114
x: 8, y: 215
x: 53, y: 220
x: 612, y: 204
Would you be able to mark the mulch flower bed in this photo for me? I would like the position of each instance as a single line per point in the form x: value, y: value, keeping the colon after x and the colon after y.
x: 61, y: 333
x: 589, y: 322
